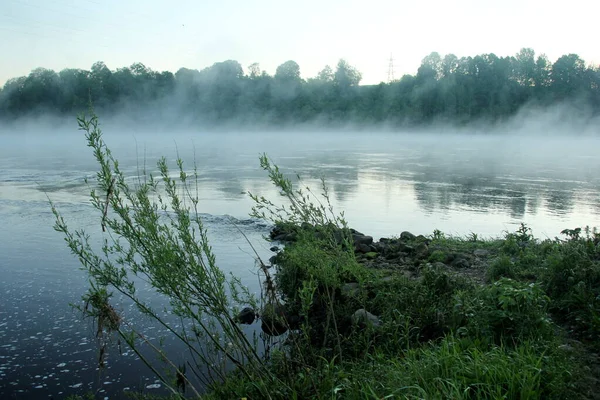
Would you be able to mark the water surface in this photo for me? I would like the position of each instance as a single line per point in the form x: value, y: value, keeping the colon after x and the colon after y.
x: 385, y: 183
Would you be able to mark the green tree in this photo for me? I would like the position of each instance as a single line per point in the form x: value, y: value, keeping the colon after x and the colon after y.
x: 568, y: 75
x: 325, y: 75
x: 431, y: 67
x: 76, y: 86
x: 289, y: 71
x: 103, y: 90
x: 449, y: 65
x: 346, y: 75
x: 254, y: 71
x: 543, y: 71
x: 525, y: 67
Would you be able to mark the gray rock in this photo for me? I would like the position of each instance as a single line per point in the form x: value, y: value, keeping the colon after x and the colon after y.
x: 461, y: 263
x: 377, y: 248
x: 246, y: 316
x: 439, y: 265
x: 566, y: 347
x: 421, y: 250
x: 404, y: 248
x: 481, y: 253
x: 435, y: 247
x: 350, y: 289
x: 273, y: 319
x: 363, y: 248
x: 407, y: 236
x: 362, y: 239
x: 363, y: 317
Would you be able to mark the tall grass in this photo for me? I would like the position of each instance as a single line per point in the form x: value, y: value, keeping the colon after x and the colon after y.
x: 151, y: 231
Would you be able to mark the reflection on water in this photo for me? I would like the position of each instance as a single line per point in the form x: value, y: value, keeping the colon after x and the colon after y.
x: 385, y: 184
x: 544, y: 181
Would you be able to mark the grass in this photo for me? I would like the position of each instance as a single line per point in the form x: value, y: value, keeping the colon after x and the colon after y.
x: 442, y: 334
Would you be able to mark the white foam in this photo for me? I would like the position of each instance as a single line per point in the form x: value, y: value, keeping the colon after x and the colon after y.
x: 153, y: 386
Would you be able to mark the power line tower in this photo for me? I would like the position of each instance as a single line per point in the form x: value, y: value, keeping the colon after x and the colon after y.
x: 391, y: 69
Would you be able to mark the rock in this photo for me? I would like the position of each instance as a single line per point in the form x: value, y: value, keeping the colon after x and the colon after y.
x: 279, y: 237
x: 566, y: 347
x: 355, y: 232
x: 407, y: 236
x: 435, y: 247
x: 379, y: 247
x: 274, y: 259
x: 275, y: 232
x: 246, y: 316
x: 422, y: 238
x: 450, y: 257
x: 481, y: 253
x: 384, y: 240
x: 350, y: 289
x: 273, y: 319
x: 365, y: 318
x: 461, y: 263
x: 363, y: 248
x: 371, y: 255
x: 274, y: 249
x: 362, y: 239
x: 404, y: 248
x: 407, y: 274
x: 439, y: 265
x: 421, y: 250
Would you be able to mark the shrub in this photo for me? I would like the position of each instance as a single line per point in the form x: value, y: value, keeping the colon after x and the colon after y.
x: 502, y: 267
x: 506, y: 311
x: 151, y: 231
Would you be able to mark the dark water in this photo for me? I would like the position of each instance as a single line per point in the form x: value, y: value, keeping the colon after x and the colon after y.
x: 385, y: 184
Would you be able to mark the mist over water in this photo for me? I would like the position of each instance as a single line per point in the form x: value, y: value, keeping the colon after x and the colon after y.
x: 386, y: 182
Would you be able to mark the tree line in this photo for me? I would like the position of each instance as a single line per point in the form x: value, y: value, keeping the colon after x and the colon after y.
x: 445, y: 88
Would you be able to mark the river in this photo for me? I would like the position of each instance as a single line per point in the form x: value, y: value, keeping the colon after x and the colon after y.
x: 384, y: 182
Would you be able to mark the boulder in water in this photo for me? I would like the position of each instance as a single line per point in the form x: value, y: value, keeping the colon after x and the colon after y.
x: 246, y: 316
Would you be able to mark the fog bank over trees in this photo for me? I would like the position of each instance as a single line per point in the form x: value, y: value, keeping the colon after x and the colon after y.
x: 445, y: 89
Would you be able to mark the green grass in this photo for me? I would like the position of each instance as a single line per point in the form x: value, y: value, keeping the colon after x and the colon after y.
x: 442, y: 335
x: 451, y: 369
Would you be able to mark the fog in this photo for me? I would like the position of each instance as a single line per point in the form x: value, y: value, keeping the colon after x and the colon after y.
x: 539, y: 166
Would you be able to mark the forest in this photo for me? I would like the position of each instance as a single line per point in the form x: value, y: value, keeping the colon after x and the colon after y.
x: 444, y: 89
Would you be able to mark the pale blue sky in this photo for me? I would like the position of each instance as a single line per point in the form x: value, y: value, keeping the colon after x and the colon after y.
x: 167, y: 35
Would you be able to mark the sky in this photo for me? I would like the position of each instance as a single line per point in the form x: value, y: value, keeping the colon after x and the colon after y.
x: 168, y: 35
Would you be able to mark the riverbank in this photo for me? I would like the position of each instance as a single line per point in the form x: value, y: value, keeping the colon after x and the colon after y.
x: 433, y: 316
